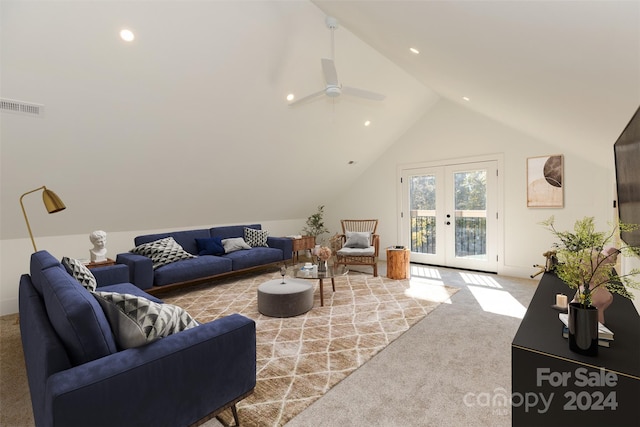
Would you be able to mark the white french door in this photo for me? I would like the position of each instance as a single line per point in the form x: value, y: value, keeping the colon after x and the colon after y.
x: 450, y: 216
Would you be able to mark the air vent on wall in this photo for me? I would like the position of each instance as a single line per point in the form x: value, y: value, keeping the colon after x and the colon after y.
x: 21, y: 107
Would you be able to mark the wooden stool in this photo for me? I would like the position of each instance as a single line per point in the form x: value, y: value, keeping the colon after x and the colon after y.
x: 398, y: 263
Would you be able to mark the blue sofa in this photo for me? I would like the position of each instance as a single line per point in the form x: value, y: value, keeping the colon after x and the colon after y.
x: 203, y: 267
x: 78, y: 377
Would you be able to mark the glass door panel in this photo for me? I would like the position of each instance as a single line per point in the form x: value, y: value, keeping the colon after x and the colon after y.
x: 446, y: 218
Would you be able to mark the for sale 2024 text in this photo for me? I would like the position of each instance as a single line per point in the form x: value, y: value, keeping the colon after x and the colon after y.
x: 588, y: 399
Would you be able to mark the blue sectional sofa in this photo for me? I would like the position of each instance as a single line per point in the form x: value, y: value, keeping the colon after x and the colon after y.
x: 79, y: 377
x: 202, y: 267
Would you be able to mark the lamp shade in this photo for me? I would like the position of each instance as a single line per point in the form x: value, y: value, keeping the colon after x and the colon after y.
x: 52, y: 202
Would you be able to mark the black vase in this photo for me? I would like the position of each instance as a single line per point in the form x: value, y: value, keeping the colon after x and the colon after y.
x: 583, y: 329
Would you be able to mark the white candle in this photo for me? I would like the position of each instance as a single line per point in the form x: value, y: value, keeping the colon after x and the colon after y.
x: 561, y: 300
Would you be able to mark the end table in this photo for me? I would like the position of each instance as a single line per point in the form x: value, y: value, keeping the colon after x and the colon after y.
x: 398, y: 263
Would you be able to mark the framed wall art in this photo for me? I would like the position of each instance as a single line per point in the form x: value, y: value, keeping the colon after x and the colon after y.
x: 545, y: 179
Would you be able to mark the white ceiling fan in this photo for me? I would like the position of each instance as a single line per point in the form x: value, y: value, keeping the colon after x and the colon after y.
x: 333, y: 87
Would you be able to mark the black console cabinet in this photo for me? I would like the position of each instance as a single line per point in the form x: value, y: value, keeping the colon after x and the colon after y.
x: 553, y: 386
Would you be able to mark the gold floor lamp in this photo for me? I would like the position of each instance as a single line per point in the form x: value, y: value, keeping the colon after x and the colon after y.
x: 51, y: 201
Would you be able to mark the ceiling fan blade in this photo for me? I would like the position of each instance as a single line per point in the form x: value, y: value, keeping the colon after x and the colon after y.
x: 308, y: 97
x: 330, y: 73
x: 347, y: 90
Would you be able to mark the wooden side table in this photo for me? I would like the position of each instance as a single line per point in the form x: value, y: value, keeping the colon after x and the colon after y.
x: 398, y: 263
x: 302, y: 244
x: 106, y: 263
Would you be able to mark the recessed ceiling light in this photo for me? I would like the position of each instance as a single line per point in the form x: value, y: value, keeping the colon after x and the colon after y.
x: 466, y: 98
x: 127, y: 35
x: 290, y: 97
x: 414, y: 50
x: 367, y: 122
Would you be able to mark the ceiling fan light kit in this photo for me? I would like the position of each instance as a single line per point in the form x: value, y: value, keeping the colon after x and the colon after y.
x: 333, y: 87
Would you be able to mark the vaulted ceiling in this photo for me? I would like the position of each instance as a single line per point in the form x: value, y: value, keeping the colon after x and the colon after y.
x: 188, y: 124
x: 564, y: 71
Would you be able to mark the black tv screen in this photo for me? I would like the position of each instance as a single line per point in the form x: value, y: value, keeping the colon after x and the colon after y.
x: 627, y: 162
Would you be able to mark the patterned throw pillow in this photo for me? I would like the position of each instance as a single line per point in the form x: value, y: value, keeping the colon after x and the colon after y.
x: 80, y: 272
x: 162, y: 252
x: 136, y: 321
x: 256, y: 238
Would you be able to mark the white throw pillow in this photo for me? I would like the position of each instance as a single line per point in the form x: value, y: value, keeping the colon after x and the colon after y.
x: 358, y: 239
x: 234, y: 244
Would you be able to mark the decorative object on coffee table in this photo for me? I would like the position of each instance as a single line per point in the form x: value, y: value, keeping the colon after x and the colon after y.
x: 586, y: 260
x: 324, y: 253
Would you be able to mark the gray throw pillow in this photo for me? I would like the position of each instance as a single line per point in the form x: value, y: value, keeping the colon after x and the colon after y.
x: 136, y: 321
x: 234, y: 244
x: 358, y: 239
x: 80, y: 272
x: 162, y: 252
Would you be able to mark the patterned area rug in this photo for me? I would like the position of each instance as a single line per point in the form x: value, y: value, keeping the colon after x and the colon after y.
x: 300, y: 358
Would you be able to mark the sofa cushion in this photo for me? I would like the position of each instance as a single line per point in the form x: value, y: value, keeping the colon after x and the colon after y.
x: 234, y: 244
x: 128, y: 288
x: 256, y: 238
x: 40, y: 261
x: 210, y: 246
x: 358, y: 239
x: 254, y: 257
x: 191, y: 269
x: 80, y: 272
x: 229, y: 231
x: 136, y: 321
x: 370, y: 251
x: 76, y: 317
x: 162, y: 252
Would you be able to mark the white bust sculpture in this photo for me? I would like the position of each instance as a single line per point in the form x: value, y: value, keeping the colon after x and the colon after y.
x: 99, y: 251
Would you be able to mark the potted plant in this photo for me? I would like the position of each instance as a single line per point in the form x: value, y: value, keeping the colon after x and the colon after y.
x: 586, y: 261
x: 315, y: 224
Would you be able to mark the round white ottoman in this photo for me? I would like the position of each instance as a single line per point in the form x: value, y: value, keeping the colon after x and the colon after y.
x: 292, y: 298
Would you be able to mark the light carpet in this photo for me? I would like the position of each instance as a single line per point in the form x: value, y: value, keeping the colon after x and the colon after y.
x: 300, y: 358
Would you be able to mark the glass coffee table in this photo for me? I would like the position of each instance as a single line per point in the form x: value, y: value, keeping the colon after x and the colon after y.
x: 332, y: 272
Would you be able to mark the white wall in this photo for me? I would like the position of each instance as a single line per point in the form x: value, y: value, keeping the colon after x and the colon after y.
x: 450, y: 131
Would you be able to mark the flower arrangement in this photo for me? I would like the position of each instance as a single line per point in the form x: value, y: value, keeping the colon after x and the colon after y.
x: 324, y: 253
x: 586, y: 259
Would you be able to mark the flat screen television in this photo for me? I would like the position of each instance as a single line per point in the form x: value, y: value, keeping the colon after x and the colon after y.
x: 627, y: 163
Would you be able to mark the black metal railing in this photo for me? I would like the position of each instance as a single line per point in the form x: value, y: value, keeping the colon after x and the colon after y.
x: 470, y: 228
x: 471, y: 236
x: 423, y: 234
